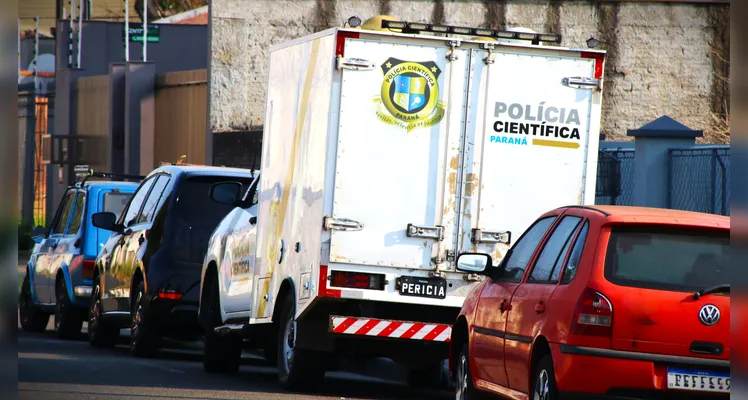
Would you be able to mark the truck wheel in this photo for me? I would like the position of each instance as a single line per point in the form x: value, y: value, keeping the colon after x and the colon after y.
x: 68, y: 322
x: 32, y: 319
x: 143, y: 339
x: 298, y: 369
x: 464, y: 389
x: 100, y: 332
x: 222, y: 354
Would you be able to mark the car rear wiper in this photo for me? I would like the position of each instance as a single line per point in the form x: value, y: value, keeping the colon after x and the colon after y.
x: 723, y: 288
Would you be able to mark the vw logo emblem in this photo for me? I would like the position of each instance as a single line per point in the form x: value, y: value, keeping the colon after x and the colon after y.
x: 709, y: 314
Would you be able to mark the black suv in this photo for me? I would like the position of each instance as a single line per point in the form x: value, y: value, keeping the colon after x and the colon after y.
x: 147, y: 275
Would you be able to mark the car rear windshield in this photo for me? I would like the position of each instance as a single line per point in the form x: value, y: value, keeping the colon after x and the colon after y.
x: 667, y: 259
x: 196, y: 215
x: 115, y: 202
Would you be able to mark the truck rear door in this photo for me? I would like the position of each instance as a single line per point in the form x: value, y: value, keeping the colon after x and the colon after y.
x: 400, y: 126
x: 528, y: 148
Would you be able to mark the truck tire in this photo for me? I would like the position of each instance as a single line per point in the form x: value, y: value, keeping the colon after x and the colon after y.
x: 221, y: 354
x: 68, y: 322
x: 32, y: 318
x: 100, y: 332
x: 144, y: 340
x: 298, y: 369
x: 434, y: 376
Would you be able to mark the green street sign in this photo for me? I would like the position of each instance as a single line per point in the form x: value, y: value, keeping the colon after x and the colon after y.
x: 153, y: 33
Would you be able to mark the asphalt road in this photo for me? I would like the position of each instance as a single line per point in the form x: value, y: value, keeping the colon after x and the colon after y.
x: 53, y: 369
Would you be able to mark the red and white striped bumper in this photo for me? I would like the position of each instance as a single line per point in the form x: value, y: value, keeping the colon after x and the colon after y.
x: 390, y: 329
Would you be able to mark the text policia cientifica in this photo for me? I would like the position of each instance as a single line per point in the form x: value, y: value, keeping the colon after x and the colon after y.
x: 545, y: 119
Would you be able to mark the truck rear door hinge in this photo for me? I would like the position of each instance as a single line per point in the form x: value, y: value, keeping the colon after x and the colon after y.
x: 489, y: 57
x: 341, y: 224
x: 486, y: 236
x: 428, y: 232
x: 353, y: 64
x: 579, y: 82
x: 453, y: 44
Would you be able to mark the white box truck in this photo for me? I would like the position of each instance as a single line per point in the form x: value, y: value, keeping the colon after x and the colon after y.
x: 386, y: 153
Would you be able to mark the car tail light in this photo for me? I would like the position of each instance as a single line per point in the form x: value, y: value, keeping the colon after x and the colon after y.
x: 594, y: 315
x: 357, y: 280
x: 169, y: 294
x: 87, y: 271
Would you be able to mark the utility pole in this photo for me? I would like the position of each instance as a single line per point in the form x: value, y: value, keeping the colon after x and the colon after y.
x: 80, y: 33
x: 36, y: 56
x: 145, y: 30
x: 127, y: 31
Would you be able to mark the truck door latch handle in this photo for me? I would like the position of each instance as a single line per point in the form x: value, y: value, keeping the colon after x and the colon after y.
x: 491, y: 236
x: 341, y: 224
x: 579, y: 82
x: 428, y: 232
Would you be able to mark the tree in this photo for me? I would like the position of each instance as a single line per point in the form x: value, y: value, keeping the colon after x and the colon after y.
x: 164, y: 8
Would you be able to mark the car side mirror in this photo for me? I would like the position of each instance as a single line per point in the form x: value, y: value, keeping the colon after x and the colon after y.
x: 39, y: 233
x: 474, y: 263
x: 106, y: 221
x: 226, y: 192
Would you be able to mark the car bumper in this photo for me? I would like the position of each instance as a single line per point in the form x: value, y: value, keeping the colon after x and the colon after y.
x: 173, y: 316
x: 583, y: 373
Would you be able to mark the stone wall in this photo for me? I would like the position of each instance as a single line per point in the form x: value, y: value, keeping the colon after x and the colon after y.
x: 663, y: 57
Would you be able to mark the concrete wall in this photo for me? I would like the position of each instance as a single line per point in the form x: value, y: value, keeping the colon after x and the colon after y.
x: 663, y: 57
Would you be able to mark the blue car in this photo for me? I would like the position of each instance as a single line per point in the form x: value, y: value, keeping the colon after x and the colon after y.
x: 60, y: 270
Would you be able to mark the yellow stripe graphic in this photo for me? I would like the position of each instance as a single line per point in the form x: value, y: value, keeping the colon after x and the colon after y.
x: 278, y: 218
x: 555, y: 143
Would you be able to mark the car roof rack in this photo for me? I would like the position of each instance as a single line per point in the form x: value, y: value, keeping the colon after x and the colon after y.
x: 83, y: 172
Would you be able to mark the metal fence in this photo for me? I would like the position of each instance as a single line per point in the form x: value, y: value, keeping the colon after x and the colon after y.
x: 699, y: 179
x: 615, y: 177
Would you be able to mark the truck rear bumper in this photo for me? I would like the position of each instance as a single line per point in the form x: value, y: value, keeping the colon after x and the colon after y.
x: 392, y: 329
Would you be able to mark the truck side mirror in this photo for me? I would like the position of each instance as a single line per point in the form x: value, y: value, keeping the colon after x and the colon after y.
x: 226, y: 192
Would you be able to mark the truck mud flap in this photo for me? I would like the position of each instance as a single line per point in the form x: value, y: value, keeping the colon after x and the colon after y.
x: 382, y: 328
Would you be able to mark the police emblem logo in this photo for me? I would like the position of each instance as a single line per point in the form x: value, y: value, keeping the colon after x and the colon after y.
x: 410, y: 94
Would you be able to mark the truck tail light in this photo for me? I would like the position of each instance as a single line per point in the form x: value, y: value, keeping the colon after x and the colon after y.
x: 357, y: 280
x: 324, y: 290
x: 87, y: 271
x: 593, y: 315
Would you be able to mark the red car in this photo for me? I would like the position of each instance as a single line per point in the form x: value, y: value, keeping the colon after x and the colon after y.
x: 600, y: 302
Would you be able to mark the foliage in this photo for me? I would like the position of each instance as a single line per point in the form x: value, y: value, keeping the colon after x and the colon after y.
x: 164, y: 8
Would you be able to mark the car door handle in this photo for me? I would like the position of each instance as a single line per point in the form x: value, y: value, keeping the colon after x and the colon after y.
x: 141, y: 239
x: 505, y: 306
x: 540, y: 307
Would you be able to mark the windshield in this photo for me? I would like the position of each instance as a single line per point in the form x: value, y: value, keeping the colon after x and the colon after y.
x: 115, y: 202
x: 683, y: 261
x: 196, y: 215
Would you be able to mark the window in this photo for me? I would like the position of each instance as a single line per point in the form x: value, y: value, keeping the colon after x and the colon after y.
x: 154, y: 198
x: 554, y: 250
x: 75, y: 223
x: 64, y: 213
x: 133, y: 209
x: 672, y: 259
x: 516, y: 264
x: 115, y: 202
x: 576, y: 255
x: 196, y: 215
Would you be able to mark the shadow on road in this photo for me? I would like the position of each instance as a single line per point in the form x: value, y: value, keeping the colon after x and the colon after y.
x: 52, y: 368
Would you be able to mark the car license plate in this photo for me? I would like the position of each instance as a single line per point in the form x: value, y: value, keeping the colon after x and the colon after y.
x: 423, y: 287
x: 699, y: 381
